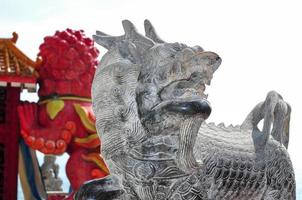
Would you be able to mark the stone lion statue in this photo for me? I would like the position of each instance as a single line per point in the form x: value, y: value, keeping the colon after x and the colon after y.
x: 150, y: 105
x: 50, y: 174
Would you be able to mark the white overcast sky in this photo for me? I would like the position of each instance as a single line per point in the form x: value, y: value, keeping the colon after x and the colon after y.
x: 259, y: 42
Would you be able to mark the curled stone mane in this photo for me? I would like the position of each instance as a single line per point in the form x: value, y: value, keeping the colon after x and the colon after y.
x: 114, y: 91
x: 114, y: 101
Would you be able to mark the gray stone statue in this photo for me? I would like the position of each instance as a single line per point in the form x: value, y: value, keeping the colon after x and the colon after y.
x: 50, y: 174
x: 150, y: 106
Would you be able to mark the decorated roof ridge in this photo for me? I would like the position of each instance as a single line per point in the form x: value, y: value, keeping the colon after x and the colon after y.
x: 13, y: 39
x: 11, y: 43
x: 15, y: 67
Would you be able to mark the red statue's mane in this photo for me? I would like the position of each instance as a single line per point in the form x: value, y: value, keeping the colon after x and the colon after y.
x: 69, y: 63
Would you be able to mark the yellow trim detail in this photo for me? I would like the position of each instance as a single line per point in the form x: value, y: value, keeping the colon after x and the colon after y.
x: 87, y: 139
x: 97, y: 159
x: 84, y: 116
x: 91, y: 141
x: 54, y: 107
x: 66, y: 98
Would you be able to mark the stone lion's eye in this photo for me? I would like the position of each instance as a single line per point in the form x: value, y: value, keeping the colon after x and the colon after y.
x: 176, y: 47
x: 194, y: 75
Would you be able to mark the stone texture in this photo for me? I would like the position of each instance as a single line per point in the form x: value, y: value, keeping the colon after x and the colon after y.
x: 150, y: 106
x: 50, y: 174
x: 107, y: 188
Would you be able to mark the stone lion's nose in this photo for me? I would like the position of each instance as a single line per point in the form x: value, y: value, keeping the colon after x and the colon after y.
x: 218, y: 59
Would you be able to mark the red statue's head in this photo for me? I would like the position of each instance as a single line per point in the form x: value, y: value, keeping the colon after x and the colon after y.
x: 69, y: 63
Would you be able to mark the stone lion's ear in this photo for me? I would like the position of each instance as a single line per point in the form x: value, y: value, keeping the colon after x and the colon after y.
x: 107, y: 41
x: 129, y: 51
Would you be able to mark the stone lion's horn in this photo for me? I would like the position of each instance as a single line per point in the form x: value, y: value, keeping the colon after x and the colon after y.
x: 107, y: 41
x: 132, y: 35
x: 151, y: 33
x: 129, y: 28
x: 100, y: 33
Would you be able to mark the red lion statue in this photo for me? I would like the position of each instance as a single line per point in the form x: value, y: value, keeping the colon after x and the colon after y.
x: 62, y: 120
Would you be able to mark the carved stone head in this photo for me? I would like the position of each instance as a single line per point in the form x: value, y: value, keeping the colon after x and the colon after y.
x: 148, y: 96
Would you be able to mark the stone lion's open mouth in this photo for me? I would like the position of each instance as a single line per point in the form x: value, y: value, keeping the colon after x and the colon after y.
x: 189, y: 93
x: 185, y: 96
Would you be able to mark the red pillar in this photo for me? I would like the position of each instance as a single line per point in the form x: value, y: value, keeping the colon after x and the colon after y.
x: 9, y: 142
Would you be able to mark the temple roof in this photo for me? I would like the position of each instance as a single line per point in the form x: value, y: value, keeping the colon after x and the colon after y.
x: 15, y: 67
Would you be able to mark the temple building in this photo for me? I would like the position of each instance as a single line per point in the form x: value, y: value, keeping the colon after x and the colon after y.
x: 17, y: 72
